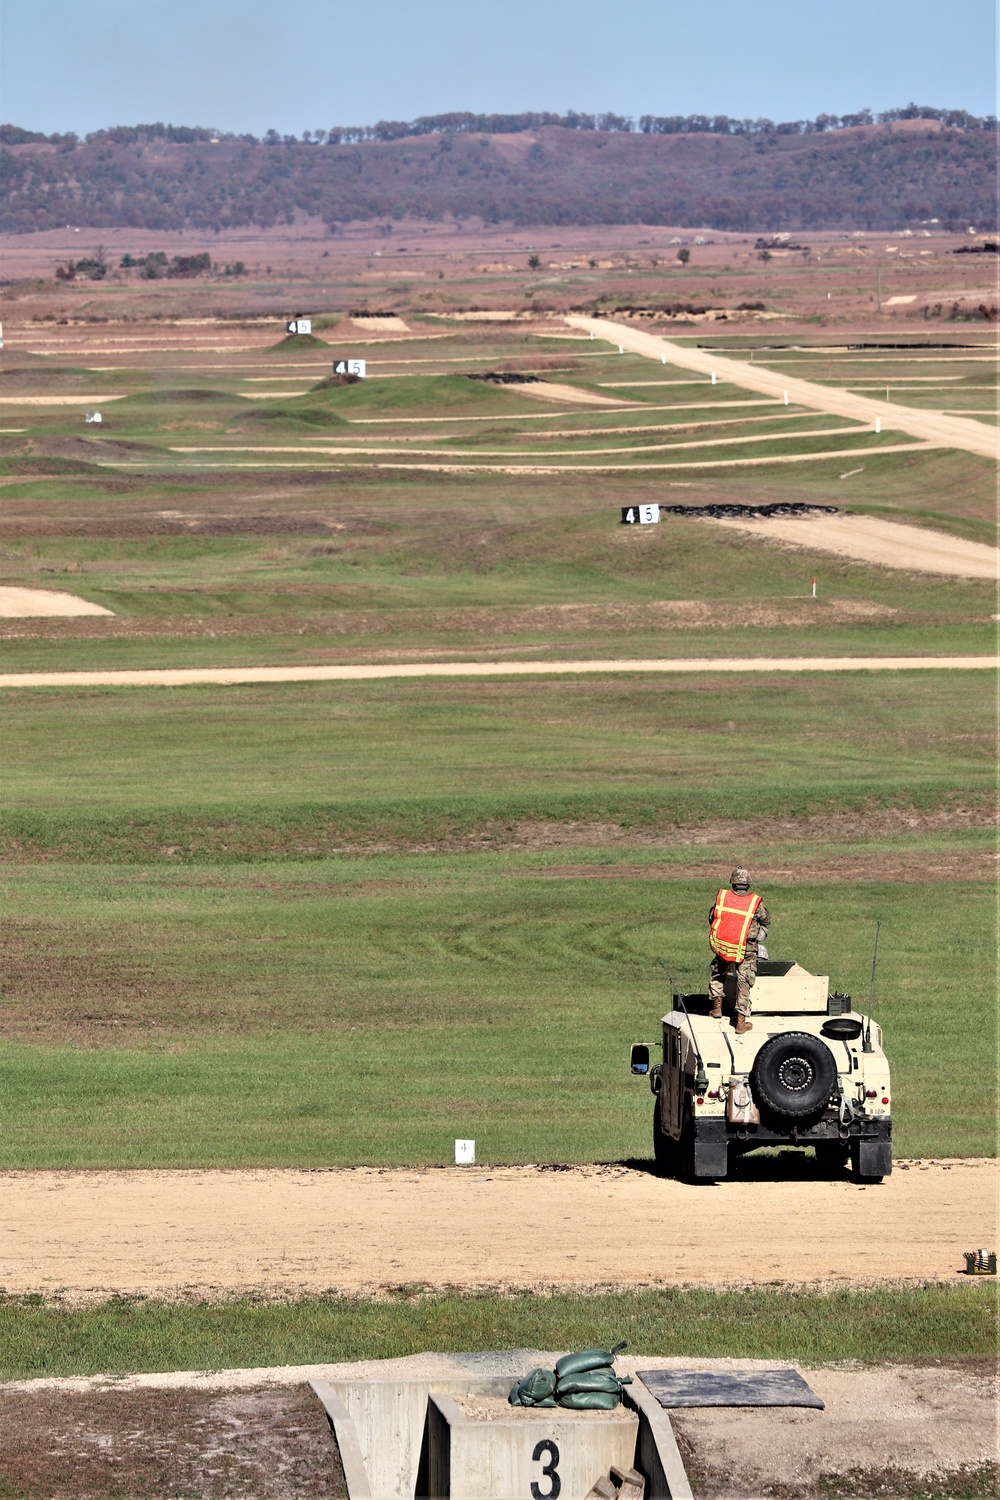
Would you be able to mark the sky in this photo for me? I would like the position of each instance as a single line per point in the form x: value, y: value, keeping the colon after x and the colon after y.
x: 251, y: 65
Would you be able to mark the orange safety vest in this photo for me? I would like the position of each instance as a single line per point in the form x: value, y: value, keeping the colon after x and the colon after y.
x: 734, y: 911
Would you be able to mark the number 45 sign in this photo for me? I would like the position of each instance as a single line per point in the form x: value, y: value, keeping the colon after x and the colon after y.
x: 640, y: 515
x: 349, y: 367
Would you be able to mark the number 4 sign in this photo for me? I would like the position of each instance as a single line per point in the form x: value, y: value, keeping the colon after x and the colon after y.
x: 640, y: 515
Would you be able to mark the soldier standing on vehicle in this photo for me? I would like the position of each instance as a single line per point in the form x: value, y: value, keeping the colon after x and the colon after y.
x: 737, y: 923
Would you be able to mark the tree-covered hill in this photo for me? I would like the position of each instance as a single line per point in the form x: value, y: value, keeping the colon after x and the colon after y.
x: 545, y: 169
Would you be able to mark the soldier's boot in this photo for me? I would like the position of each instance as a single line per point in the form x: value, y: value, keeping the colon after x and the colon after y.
x: 743, y: 1024
x: 716, y: 1011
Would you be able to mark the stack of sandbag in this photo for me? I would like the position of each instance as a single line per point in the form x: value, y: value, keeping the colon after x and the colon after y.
x: 585, y: 1381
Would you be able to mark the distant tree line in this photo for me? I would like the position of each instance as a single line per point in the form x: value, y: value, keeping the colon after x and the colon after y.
x: 465, y: 123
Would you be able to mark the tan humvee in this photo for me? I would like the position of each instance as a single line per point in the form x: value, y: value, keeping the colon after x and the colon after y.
x: 811, y: 1072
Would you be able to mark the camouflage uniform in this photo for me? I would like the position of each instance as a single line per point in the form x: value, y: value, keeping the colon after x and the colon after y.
x: 745, y: 970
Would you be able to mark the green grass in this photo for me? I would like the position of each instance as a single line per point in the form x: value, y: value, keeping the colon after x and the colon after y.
x: 304, y: 635
x: 349, y: 1010
x: 981, y: 1482
x: 128, y: 1336
x: 472, y: 543
x: 391, y: 742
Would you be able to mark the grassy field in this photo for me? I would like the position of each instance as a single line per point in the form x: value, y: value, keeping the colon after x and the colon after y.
x: 124, y: 1335
x: 349, y: 1010
x: 309, y: 567
x: 239, y: 917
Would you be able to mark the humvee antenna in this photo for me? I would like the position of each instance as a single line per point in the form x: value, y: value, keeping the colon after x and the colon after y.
x: 866, y: 1045
x: 701, y: 1077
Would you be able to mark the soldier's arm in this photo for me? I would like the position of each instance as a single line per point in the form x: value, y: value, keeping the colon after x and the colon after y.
x: 763, y: 920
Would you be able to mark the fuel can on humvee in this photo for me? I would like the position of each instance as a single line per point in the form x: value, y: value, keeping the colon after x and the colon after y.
x: 811, y: 1072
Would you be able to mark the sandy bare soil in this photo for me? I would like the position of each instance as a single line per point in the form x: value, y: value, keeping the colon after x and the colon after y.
x: 189, y: 676
x: 932, y: 426
x: 891, y: 544
x: 55, y: 400
x: 87, y: 1234
x: 26, y: 604
x: 382, y: 325
x: 551, y: 390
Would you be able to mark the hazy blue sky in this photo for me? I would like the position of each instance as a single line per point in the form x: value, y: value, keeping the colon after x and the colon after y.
x: 306, y: 64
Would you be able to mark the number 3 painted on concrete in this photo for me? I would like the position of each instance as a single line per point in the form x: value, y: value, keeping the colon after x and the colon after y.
x: 547, y: 1446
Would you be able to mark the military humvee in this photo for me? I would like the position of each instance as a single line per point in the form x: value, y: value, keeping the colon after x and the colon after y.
x: 812, y: 1072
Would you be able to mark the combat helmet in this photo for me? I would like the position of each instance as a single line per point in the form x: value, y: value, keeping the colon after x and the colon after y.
x: 739, y: 880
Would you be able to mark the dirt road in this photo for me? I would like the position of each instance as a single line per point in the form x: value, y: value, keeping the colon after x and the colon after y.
x: 932, y: 426
x: 189, y: 676
x: 890, y: 544
x: 165, y: 1232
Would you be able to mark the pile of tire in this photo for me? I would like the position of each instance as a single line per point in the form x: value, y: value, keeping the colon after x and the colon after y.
x: 585, y: 1381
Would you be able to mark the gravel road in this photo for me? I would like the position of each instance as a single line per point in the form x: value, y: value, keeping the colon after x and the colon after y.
x: 932, y: 426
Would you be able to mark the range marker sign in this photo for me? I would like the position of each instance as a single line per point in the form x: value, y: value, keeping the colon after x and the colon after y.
x: 350, y: 367
x: 640, y: 515
x: 300, y: 325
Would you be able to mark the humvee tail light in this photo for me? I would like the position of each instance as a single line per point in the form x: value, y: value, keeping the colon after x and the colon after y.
x: 885, y: 1099
x: 699, y: 1101
x: 713, y: 1094
x: 871, y: 1093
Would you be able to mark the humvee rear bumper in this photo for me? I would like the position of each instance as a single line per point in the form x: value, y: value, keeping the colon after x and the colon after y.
x: 869, y: 1142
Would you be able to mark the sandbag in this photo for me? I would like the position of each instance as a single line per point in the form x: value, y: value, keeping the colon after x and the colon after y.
x: 587, y: 1359
x: 591, y: 1380
x: 535, y: 1389
x: 590, y: 1400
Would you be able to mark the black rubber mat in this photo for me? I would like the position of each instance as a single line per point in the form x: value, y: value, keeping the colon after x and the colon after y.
x: 729, y: 1388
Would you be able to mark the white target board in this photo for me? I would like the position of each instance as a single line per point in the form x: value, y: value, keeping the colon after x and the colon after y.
x: 640, y: 515
x: 350, y: 367
x: 300, y: 325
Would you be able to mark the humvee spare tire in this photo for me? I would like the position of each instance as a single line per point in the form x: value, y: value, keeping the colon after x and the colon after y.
x: 793, y: 1075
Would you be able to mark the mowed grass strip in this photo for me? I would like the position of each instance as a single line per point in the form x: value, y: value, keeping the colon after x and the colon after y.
x: 125, y: 1336
x: 276, y: 637
x: 371, y: 1011
x: 731, y: 738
